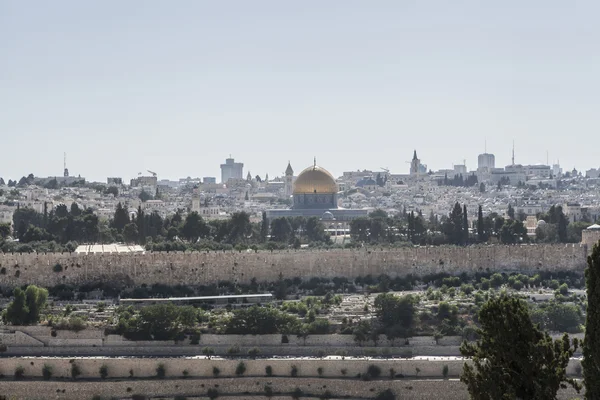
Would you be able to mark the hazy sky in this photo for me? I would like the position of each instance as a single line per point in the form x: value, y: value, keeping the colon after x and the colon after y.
x: 177, y: 86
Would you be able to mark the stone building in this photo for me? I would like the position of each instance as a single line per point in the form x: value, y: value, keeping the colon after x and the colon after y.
x: 590, y: 236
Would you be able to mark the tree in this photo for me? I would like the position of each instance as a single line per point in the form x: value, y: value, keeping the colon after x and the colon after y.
x: 264, y: 227
x: 591, y: 343
x: 121, y: 218
x: 194, y: 227
x: 481, y: 236
x: 510, y: 212
x: 240, y: 227
x: 130, y: 233
x: 145, y: 196
x: 396, y: 314
x: 4, y: 230
x: 26, y: 307
x: 454, y: 226
x: 513, y: 359
x: 465, y: 225
x: 482, y: 187
x: 281, y: 230
x: 2, y: 182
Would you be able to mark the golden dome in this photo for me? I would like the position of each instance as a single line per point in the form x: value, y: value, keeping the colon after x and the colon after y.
x: 315, y: 179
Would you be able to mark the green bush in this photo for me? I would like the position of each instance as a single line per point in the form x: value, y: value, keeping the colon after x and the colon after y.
x: 161, y: 371
x: 240, y: 369
x: 208, y: 351
x: 268, y: 391
x: 269, y: 370
x: 297, y: 393
x: 75, y: 371
x: 185, y: 373
x: 104, y: 371
x: 374, y: 371
x: 235, y: 349
x: 57, y: 268
x: 216, y: 372
x: 212, y: 393
x: 294, y: 371
x: 386, y: 395
x: 47, y: 372
x: 445, y: 371
x: 19, y: 373
x: 254, y: 352
x: 320, y: 371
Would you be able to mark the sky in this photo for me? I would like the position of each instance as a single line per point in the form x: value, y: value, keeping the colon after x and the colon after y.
x: 175, y: 87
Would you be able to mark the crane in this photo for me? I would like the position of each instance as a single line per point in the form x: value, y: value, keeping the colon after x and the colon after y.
x: 387, y: 170
x: 153, y: 173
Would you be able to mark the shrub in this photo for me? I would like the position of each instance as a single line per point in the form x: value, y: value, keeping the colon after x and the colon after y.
x: 344, y: 371
x: 269, y: 370
x: 373, y: 371
x: 47, y: 372
x: 254, y: 352
x: 386, y: 395
x: 216, y: 371
x: 57, y: 268
x: 235, y: 349
x: 297, y: 393
x: 185, y: 373
x: 268, y: 391
x: 104, y: 371
x: 161, y: 371
x: 131, y: 373
x: 240, y: 369
x: 19, y: 373
x: 75, y: 371
x: 445, y: 371
x: 208, y: 351
x: 294, y: 371
x: 392, y: 373
x: 320, y: 371
x: 212, y: 393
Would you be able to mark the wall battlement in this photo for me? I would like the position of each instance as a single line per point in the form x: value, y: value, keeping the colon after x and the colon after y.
x: 198, y: 268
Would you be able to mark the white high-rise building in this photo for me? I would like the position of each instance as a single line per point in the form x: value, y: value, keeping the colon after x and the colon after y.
x: 231, y: 170
x: 486, y: 160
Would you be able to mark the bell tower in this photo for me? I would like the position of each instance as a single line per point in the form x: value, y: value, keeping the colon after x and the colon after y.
x: 289, y: 180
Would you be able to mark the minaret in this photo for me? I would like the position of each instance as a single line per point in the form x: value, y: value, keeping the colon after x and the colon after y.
x: 65, y: 171
x: 195, y: 199
x: 249, y: 177
x: 289, y: 180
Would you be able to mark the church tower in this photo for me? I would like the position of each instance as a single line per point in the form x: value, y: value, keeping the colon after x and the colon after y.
x: 415, y: 165
x: 289, y: 180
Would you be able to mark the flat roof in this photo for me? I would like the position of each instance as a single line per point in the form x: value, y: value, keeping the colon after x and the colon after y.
x: 229, y: 296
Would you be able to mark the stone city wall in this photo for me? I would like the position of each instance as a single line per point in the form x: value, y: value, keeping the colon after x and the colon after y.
x: 199, y: 268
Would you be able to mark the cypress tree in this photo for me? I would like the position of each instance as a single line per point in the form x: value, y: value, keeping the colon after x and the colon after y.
x: 465, y: 225
x: 591, y: 344
x: 480, y: 234
x: 455, y: 233
x: 264, y: 227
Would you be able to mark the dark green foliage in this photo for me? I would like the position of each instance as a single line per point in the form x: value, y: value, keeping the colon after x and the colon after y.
x: 297, y: 393
x: 103, y: 371
x: 19, y: 373
x: 240, y: 369
x: 396, y: 314
x: 591, y: 344
x: 557, y: 317
x: 294, y: 371
x: 47, y: 372
x: 164, y: 321
x: 373, y: 371
x: 57, y: 268
x: 269, y: 370
x: 513, y: 358
x: 386, y: 395
x: 161, y: 371
x: 216, y: 371
x: 75, y: 370
x: 26, y: 307
x: 257, y: 320
x: 445, y: 371
x: 254, y: 352
x: 212, y: 393
x: 268, y: 391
